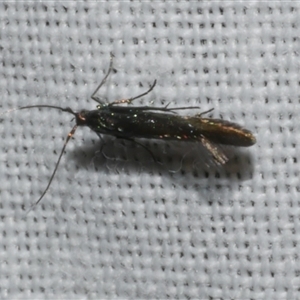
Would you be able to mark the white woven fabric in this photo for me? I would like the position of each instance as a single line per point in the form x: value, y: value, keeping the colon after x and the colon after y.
x: 122, y: 226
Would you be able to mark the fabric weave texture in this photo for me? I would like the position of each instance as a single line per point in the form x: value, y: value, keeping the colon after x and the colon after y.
x: 114, y: 224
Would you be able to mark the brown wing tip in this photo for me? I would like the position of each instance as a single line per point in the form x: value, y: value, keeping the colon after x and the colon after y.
x: 251, y: 139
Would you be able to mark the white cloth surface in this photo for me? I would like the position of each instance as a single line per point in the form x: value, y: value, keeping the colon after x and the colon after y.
x: 119, y: 225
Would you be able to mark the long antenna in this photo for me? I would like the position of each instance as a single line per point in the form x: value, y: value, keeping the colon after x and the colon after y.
x: 71, y: 133
x: 66, y: 109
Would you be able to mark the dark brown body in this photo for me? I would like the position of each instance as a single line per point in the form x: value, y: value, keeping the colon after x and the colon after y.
x: 141, y: 122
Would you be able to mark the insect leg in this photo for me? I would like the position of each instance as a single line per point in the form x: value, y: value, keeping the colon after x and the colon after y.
x: 205, y: 112
x: 165, y: 108
x: 143, y: 146
x: 122, y: 101
x: 103, y: 81
x: 102, y: 145
x: 127, y: 139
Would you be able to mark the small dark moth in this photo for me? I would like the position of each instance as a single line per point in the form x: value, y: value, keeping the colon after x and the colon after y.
x: 130, y: 122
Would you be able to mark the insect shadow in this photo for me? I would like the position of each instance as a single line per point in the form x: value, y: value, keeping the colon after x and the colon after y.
x: 116, y: 155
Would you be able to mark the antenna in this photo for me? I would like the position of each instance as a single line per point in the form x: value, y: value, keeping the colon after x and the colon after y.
x: 71, y: 133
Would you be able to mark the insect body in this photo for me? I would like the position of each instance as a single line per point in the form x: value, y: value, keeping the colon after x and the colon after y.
x: 130, y: 122
x: 162, y: 123
x: 141, y: 122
